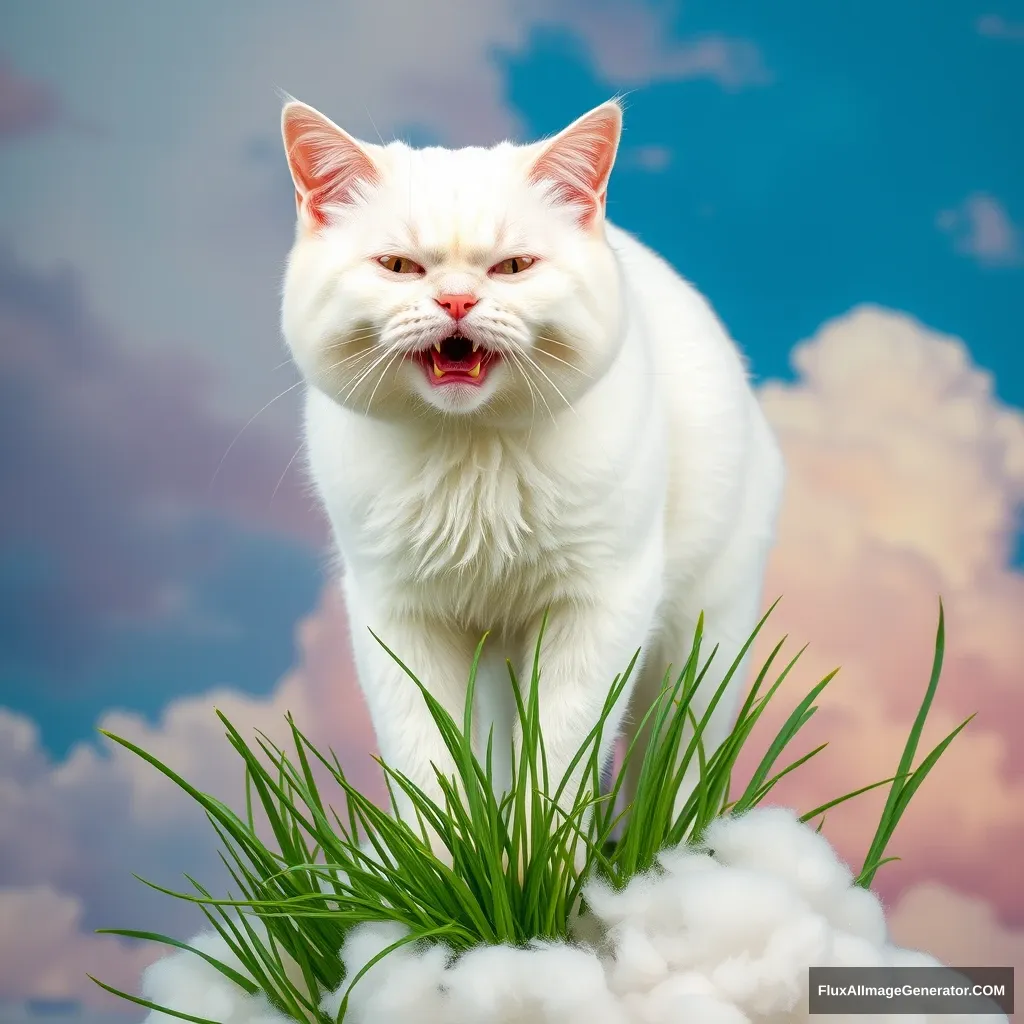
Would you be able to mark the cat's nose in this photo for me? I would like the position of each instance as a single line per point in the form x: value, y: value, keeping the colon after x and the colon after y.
x: 457, y: 306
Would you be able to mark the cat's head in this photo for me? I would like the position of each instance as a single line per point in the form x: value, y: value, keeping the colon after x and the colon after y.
x: 471, y: 282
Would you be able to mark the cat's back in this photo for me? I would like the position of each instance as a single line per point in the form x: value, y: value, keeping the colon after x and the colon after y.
x: 676, y: 319
x: 723, y: 454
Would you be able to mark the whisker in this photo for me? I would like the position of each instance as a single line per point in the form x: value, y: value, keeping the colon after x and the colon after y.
x: 533, y: 409
x: 532, y: 386
x: 354, y: 338
x: 564, y: 362
x: 535, y: 393
x: 374, y: 124
x: 359, y: 380
x: 280, y: 481
x: 551, y: 382
x: 383, y: 374
x: 553, y: 341
x: 251, y: 420
x: 365, y: 354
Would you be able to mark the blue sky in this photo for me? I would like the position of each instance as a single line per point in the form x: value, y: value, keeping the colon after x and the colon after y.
x: 821, y: 190
x: 838, y: 170
x: 240, y: 634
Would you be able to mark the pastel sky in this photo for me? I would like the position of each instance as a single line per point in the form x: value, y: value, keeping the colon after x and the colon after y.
x: 846, y: 186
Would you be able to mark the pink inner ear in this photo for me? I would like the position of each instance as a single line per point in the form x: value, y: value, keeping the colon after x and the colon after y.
x: 578, y: 163
x: 326, y: 164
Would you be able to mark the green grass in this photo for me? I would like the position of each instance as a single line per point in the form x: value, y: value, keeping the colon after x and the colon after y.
x: 327, y: 871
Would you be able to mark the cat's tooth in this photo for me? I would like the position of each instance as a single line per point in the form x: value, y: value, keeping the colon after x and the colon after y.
x: 438, y: 372
x: 437, y: 346
x: 476, y: 345
x: 475, y: 372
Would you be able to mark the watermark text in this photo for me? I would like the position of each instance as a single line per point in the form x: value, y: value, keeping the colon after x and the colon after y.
x: 937, y: 990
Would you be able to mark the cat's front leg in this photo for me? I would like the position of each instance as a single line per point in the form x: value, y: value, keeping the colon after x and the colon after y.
x: 585, y: 646
x: 408, y: 739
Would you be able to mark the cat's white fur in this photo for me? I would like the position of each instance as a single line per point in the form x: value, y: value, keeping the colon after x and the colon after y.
x: 615, y: 467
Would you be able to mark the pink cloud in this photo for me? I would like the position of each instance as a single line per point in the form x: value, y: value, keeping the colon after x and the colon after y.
x: 906, y: 479
x: 73, y: 832
x: 960, y: 930
x: 46, y: 952
x: 26, y: 105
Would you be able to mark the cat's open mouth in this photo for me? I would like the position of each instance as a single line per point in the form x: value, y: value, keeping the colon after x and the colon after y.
x: 457, y: 360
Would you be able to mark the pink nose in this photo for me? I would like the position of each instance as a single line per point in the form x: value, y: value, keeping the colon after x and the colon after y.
x: 457, y: 306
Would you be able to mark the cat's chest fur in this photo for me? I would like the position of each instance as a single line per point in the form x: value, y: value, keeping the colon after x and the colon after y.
x: 472, y: 526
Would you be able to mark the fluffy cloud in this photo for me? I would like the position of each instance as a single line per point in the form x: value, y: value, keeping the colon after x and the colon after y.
x: 981, y: 228
x: 632, y: 44
x: 46, y: 951
x: 906, y: 480
x: 110, y: 468
x: 725, y: 938
x: 72, y: 832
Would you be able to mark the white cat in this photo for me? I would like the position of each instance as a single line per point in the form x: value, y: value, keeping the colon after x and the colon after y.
x: 514, y: 406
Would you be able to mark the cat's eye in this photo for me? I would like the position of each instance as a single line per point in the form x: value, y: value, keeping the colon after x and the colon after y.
x: 515, y: 265
x: 399, y: 265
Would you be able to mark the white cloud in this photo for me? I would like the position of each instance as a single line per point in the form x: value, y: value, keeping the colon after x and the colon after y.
x: 981, y: 228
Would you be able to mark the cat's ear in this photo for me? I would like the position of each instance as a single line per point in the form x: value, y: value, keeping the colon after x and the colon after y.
x: 577, y: 163
x: 328, y: 166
